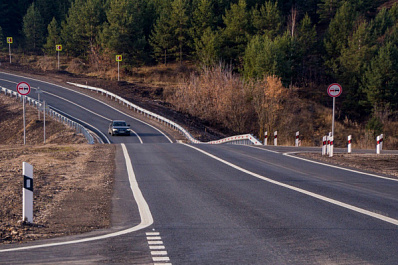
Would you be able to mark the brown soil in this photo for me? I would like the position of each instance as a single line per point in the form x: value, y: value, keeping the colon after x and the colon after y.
x: 66, y: 176
x: 385, y: 164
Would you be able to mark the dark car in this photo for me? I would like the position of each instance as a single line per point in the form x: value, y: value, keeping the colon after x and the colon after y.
x: 119, y: 127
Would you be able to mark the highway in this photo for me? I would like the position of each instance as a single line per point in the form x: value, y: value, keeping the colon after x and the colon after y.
x: 221, y: 204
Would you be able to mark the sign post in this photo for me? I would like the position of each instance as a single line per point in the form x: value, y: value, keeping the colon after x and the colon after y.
x: 23, y: 89
x: 9, y: 41
x: 58, y: 48
x: 118, y: 60
x: 334, y: 90
x: 27, y: 193
x: 38, y: 92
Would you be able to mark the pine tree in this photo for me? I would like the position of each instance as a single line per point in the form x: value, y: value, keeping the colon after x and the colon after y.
x: 327, y: 9
x: 208, y: 47
x: 179, y: 23
x: 235, y: 35
x: 381, y: 79
x: 161, y: 37
x: 2, y: 40
x: 267, y: 20
x: 33, y: 29
x: 53, y: 37
x: 124, y: 33
x: 337, y: 35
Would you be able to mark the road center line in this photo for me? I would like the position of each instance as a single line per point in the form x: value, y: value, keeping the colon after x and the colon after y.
x: 311, y: 194
x: 145, y: 213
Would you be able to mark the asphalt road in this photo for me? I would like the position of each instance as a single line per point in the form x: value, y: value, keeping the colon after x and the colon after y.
x: 227, y: 204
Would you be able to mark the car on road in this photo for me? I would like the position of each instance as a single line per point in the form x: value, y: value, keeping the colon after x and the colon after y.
x: 119, y: 127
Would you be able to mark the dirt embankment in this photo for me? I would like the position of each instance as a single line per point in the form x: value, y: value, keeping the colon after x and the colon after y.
x: 69, y: 177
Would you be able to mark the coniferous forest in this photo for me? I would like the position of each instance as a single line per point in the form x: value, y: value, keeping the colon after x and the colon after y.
x: 300, y: 44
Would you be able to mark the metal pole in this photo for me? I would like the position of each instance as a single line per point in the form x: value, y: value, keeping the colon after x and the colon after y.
x: 118, y: 70
x: 9, y: 49
x: 38, y: 99
x: 44, y: 115
x: 24, y: 123
x: 334, y: 103
x: 58, y: 60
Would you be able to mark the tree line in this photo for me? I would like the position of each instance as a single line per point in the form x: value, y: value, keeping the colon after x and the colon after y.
x: 306, y: 43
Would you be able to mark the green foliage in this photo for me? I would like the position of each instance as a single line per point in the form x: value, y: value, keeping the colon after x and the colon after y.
x: 2, y: 39
x: 33, y: 29
x: 375, y: 126
x: 235, y: 35
x: 82, y: 26
x: 267, y: 57
x: 124, y: 28
x: 267, y: 20
x: 381, y: 79
x: 53, y: 37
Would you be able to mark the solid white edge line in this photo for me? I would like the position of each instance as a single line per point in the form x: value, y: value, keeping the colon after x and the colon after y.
x: 153, y: 127
x: 324, y: 164
x: 342, y: 168
x: 311, y: 194
x: 145, y: 213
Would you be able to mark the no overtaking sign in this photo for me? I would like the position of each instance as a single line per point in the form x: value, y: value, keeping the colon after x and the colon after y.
x: 335, y: 90
x: 23, y: 88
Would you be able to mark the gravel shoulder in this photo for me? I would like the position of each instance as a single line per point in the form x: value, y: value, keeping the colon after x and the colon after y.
x: 73, y: 185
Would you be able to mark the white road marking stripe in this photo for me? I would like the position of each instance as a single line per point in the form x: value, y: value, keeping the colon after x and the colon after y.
x: 145, y: 213
x: 158, y: 253
x: 160, y: 258
x: 155, y: 242
x: 88, y: 97
x: 162, y: 263
x: 152, y: 233
x: 154, y: 238
x: 314, y: 195
x: 156, y: 247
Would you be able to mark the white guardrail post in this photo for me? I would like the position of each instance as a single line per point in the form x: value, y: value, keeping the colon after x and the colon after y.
x: 276, y: 138
x: 324, y: 145
x: 297, y: 138
x: 381, y: 141
x: 53, y: 114
x: 266, y: 138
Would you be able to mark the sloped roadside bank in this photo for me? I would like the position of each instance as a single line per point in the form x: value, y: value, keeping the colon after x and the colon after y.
x: 73, y: 185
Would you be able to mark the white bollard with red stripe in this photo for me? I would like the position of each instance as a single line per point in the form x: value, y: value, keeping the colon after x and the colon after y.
x: 324, y: 145
x: 328, y: 142
x: 331, y: 147
x: 378, y: 145
x: 381, y: 141
x: 276, y: 138
x: 349, y: 144
x: 266, y: 138
x: 297, y: 138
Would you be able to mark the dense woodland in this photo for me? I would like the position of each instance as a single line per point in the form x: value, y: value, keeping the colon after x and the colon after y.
x: 302, y: 43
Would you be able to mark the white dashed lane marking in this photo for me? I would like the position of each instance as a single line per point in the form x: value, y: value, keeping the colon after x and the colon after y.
x: 158, y: 252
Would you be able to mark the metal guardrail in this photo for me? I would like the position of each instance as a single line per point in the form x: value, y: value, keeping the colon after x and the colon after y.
x: 55, y: 115
x: 241, y: 139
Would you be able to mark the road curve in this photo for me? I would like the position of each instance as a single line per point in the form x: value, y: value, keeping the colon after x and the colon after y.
x: 231, y: 204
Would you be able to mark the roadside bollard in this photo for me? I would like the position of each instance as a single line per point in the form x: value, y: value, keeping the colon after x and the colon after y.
x: 378, y: 145
x: 276, y: 138
x: 349, y: 144
x: 266, y: 138
x: 331, y: 147
x: 324, y: 145
x: 328, y: 142
x: 297, y: 138
x: 381, y: 141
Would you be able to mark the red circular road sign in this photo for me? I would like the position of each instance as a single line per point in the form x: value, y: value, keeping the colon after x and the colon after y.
x: 335, y: 90
x: 23, y: 88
